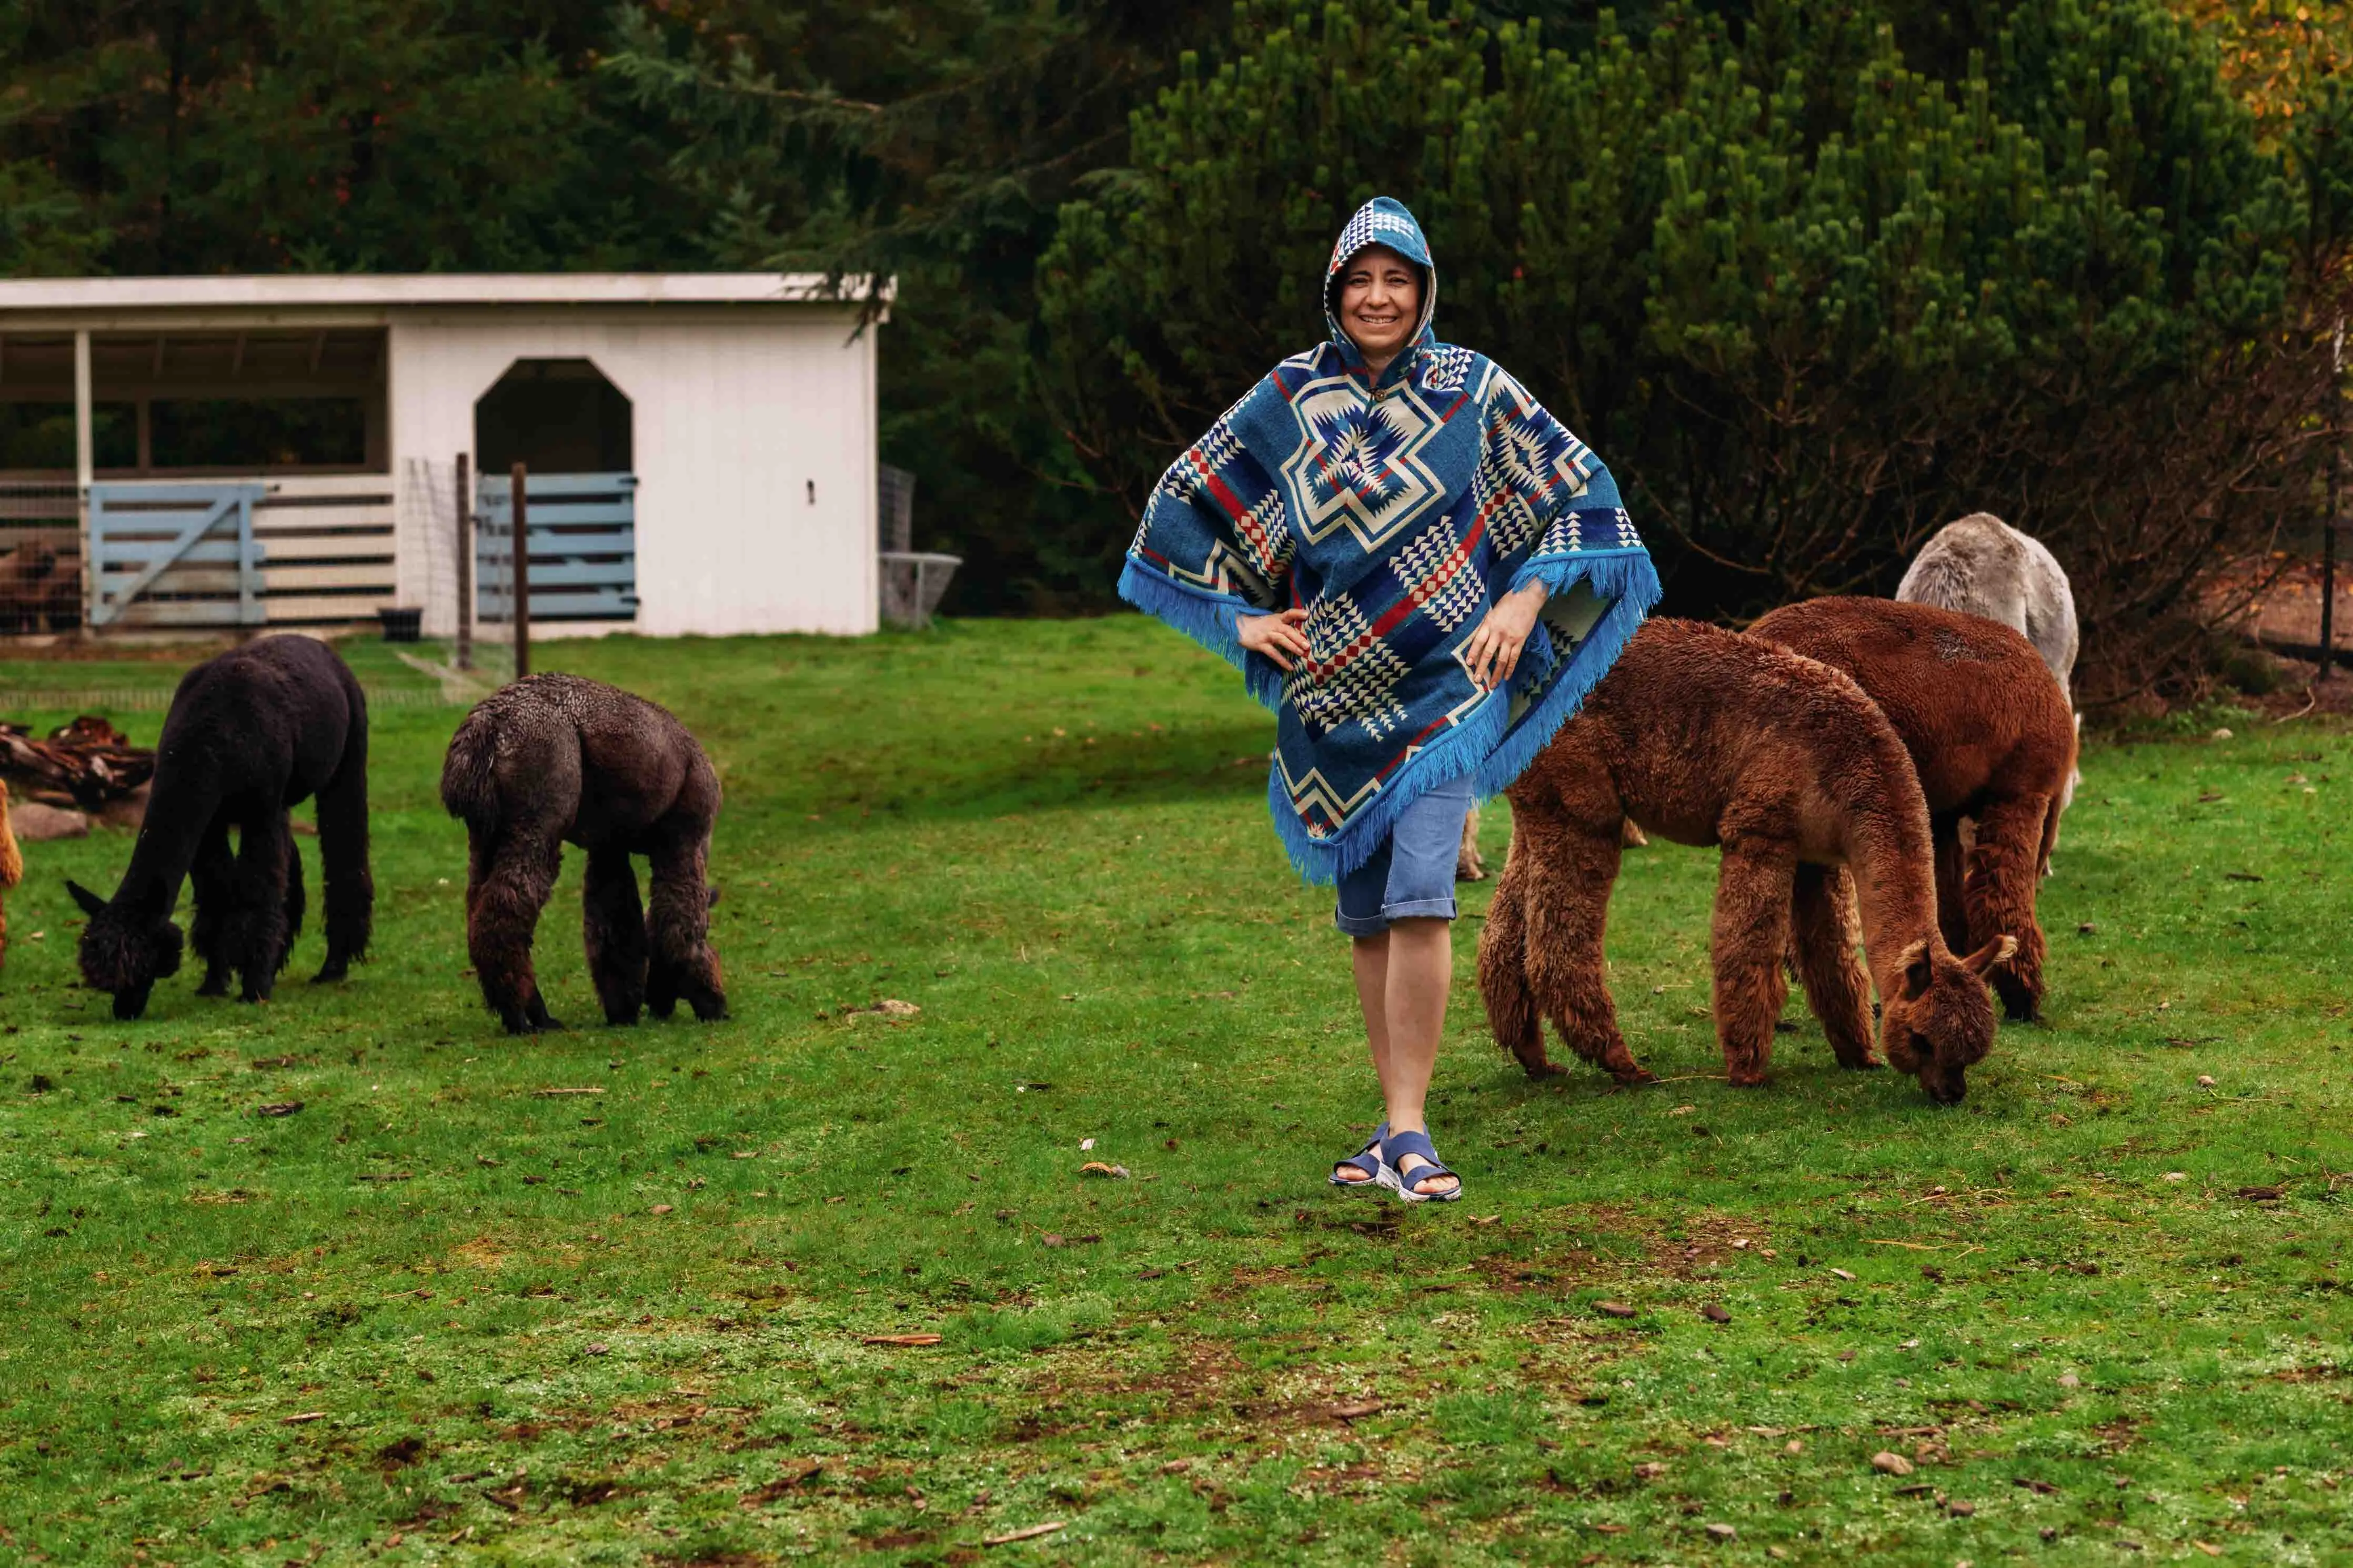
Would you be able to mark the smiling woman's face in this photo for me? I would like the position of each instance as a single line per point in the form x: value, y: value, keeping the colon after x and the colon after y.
x: 1380, y: 302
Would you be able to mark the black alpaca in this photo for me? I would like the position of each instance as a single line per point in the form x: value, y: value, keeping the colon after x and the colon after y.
x: 249, y: 733
x: 555, y: 757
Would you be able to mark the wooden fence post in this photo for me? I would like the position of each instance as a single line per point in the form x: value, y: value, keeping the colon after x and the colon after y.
x: 465, y: 566
x: 2336, y: 493
x: 521, y: 574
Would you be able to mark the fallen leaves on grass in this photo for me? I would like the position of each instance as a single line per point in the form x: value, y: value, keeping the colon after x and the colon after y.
x: 305, y: 1415
x: 1891, y: 1464
x: 287, y: 1109
x: 2041, y: 1489
x: 552, y: 1093
x: 1714, y: 1313
x: 1841, y: 1274
x: 899, y: 1338
x: 1613, y: 1309
x: 1028, y: 1532
x: 889, y: 1008
x: 2261, y: 1194
x: 1097, y: 1168
x: 1356, y: 1410
x: 665, y: 1208
x: 385, y: 1176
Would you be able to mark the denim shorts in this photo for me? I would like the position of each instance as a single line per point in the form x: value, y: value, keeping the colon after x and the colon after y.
x: 1411, y: 875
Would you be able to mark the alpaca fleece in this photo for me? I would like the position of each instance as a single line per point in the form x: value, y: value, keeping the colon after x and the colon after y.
x: 1983, y: 567
x: 554, y: 759
x: 1992, y: 740
x: 12, y: 867
x: 1706, y: 737
x: 258, y: 730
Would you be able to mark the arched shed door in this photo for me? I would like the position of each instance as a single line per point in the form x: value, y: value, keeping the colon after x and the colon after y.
x: 572, y: 430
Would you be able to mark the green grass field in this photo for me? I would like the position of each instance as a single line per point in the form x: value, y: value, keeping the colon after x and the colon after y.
x: 439, y: 1314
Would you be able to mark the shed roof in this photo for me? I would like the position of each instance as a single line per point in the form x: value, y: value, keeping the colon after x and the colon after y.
x: 392, y: 291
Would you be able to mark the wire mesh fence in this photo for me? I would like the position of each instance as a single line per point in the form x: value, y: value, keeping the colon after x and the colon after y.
x: 40, y: 557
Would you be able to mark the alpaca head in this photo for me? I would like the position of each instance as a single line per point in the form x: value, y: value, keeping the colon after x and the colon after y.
x: 1939, y: 1023
x: 124, y: 954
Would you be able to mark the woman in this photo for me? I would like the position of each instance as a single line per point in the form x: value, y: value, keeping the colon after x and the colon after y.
x: 1422, y: 573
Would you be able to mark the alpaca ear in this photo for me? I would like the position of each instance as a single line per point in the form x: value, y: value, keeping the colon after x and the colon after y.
x: 91, y: 904
x: 1992, y: 956
x: 1917, y: 971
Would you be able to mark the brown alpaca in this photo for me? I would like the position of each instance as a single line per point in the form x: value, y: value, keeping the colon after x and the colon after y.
x: 553, y: 759
x: 1993, y: 740
x: 12, y: 867
x: 1706, y: 737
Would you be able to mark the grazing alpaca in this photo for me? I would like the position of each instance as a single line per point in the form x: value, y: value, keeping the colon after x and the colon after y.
x: 1993, y: 744
x: 12, y: 867
x: 250, y: 732
x: 1704, y: 736
x: 553, y: 758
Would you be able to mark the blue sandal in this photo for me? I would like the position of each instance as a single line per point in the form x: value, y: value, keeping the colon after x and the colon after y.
x: 1395, y: 1148
x: 1367, y: 1158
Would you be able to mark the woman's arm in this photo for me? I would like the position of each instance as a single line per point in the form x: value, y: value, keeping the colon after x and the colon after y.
x: 1493, y: 651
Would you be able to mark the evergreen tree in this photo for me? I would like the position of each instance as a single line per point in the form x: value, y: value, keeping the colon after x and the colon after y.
x: 1809, y: 298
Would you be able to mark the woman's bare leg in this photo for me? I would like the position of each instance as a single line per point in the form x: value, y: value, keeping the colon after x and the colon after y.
x: 1371, y: 958
x: 1403, y: 977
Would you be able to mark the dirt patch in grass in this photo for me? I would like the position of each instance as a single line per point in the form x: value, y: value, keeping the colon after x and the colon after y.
x: 479, y: 1253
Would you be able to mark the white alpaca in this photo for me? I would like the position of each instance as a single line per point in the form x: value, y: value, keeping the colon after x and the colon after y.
x: 1983, y: 567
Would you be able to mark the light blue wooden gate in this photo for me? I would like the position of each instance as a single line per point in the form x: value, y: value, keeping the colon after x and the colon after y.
x: 583, y: 545
x: 175, y: 555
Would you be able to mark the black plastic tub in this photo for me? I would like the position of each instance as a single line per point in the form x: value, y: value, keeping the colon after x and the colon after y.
x: 400, y: 625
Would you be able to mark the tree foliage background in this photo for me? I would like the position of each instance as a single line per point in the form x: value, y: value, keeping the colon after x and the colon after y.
x: 1814, y: 275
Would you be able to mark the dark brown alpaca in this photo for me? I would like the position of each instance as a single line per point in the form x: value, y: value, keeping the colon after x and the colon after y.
x: 555, y: 757
x: 1993, y: 740
x: 1706, y: 737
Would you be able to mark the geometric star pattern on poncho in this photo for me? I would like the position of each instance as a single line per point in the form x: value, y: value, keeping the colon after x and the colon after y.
x: 1360, y: 466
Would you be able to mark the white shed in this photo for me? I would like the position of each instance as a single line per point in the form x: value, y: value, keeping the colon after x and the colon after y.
x: 284, y: 450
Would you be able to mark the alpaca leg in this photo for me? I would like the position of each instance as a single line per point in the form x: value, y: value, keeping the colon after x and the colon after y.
x: 350, y: 898
x: 1468, y: 866
x: 1503, y: 971
x: 1952, y: 868
x: 509, y: 885
x: 1571, y: 867
x: 298, y: 900
x: 1838, y: 988
x: 255, y: 934
x: 1753, y: 894
x: 614, y: 926
x: 678, y: 924
x: 212, y: 879
x: 2004, y: 867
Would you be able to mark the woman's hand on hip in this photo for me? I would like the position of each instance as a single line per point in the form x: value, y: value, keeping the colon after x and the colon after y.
x: 1493, y: 651
x: 1276, y: 637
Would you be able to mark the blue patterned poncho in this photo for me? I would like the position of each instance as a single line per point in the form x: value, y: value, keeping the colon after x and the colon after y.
x: 1396, y: 514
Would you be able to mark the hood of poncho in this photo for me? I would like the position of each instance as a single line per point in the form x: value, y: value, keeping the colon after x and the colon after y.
x: 1395, y: 510
x: 1382, y: 221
